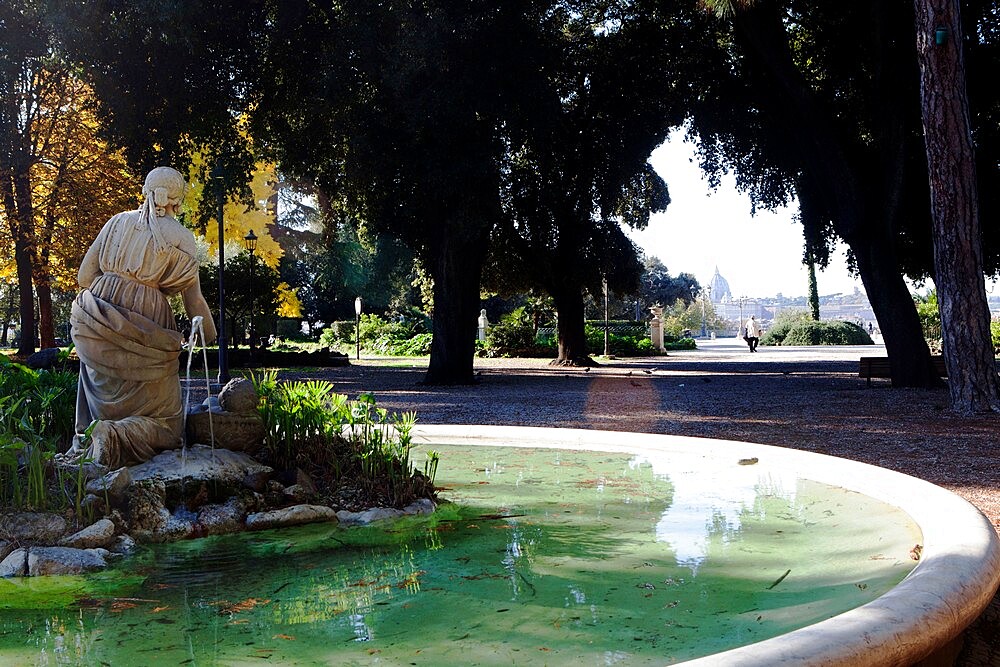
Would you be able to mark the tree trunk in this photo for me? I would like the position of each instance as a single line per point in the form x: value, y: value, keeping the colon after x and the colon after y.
x: 456, y: 268
x: 813, y: 290
x: 958, y: 257
x: 571, y: 330
x: 8, y: 316
x: 910, y: 362
x: 19, y: 218
x: 46, y: 327
x: 833, y: 178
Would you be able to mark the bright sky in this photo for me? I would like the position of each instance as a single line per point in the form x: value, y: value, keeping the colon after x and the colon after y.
x: 760, y: 255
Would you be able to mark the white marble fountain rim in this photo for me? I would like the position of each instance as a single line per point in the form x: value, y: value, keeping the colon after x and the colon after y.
x: 957, y: 575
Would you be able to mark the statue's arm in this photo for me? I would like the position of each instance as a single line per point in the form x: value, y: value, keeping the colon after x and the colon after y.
x: 194, y: 300
x: 90, y: 267
x: 195, y: 304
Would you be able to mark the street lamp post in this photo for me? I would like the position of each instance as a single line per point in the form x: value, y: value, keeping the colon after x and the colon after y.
x: 250, y: 243
x: 357, y: 327
x: 704, y: 327
x: 741, y: 300
x: 706, y: 299
x: 219, y: 176
x: 607, y: 351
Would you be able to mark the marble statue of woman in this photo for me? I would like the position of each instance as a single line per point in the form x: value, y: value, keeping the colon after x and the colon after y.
x: 124, y: 330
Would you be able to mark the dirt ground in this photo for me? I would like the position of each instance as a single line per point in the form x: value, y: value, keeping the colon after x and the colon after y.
x: 805, y: 398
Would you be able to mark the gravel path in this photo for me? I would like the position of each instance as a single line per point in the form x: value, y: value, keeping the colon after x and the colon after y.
x: 805, y: 398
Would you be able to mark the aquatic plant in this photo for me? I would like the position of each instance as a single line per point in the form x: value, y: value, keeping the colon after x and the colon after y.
x: 347, y: 445
x: 36, y: 421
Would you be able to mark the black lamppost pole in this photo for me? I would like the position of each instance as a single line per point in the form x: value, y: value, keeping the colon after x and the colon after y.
x: 706, y: 294
x: 357, y: 327
x: 607, y: 351
x: 742, y: 300
x: 250, y: 243
x: 219, y: 176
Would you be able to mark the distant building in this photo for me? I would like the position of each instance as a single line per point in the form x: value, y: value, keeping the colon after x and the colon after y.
x: 720, y: 288
x: 853, y: 307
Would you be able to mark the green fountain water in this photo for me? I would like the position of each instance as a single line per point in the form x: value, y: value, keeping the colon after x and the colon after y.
x: 542, y: 557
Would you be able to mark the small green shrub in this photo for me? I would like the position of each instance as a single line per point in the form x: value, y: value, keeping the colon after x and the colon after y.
x: 36, y: 421
x: 783, y: 323
x: 621, y: 345
x: 827, y: 332
x: 373, y: 328
x: 308, y: 425
x: 290, y: 329
x: 680, y: 344
x: 417, y: 346
x: 995, y: 333
x: 510, y: 334
x: 341, y: 332
x: 514, y: 336
x: 930, y: 319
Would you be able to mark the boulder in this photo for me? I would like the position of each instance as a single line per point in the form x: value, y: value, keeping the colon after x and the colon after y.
x: 32, y: 527
x: 64, y: 560
x: 239, y: 396
x: 298, y: 493
x: 145, y: 512
x: 113, y: 484
x: 46, y: 359
x: 223, y: 470
x: 98, y: 534
x: 123, y: 545
x: 364, y: 518
x: 303, y: 479
x: 422, y: 506
x: 290, y: 516
x: 222, y: 518
x: 178, y: 526
x: 15, y: 564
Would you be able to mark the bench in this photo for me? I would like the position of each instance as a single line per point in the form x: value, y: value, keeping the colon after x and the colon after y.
x: 878, y: 367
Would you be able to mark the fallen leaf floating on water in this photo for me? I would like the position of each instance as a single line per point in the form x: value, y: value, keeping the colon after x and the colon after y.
x: 280, y: 636
x: 237, y: 607
x: 916, y: 551
x: 157, y: 610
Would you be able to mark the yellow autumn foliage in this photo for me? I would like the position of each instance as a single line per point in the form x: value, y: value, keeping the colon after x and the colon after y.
x: 239, y: 217
x: 288, y: 301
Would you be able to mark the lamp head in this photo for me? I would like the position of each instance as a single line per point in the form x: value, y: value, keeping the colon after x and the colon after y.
x: 250, y: 242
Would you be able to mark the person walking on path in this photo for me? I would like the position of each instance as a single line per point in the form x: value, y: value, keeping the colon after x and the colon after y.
x: 753, y: 333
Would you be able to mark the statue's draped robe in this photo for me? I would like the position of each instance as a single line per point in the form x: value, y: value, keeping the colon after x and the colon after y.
x: 125, y: 335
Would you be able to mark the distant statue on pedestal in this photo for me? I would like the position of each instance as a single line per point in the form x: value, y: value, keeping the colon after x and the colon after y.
x: 129, y: 403
x: 656, y: 328
x: 484, y: 324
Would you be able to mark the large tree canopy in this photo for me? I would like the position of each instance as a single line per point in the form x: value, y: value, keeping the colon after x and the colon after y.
x: 403, y: 112
x: 822, y: 103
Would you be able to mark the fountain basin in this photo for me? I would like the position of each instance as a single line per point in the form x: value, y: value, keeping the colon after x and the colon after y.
x: 956, y: 577
x: 558, y: 547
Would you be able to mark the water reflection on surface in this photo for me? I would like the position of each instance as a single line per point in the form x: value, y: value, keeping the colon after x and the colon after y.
x: 545, y: 556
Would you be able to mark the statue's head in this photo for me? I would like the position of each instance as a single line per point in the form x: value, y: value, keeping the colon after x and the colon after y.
x: 166, y: 186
